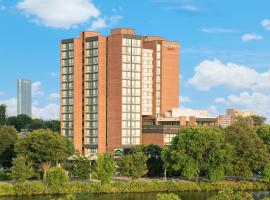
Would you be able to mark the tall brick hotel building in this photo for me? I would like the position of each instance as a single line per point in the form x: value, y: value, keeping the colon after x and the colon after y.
x: 111, y: 85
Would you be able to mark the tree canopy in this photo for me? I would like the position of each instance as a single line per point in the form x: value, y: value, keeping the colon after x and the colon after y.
x: 44, y: 148
x: 251, y: 153
x: 199, y: 151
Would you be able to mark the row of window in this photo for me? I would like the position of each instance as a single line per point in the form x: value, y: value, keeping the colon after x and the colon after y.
x: 67, y: 133
x: 168, y: 138
x: 131, y: 42
x: 128, y: 50
x: 67, y: 70
x: 129, y: 108
x: 92, y: 117
x: 91, y: 52
x: 92, y: 125
x: 67, y: 101
x: 92, y: 108
x: 91, y: 133
x: 66, y: 86
x: 91, y: 140
x: 66, y: 109
x: 131, y: 124
x: 131, y: 67
x: 91, y: 93
x: 92, y: 44
x: 67, y: 125
x: 131, y: 75
x: 67, y: 54
x: 131, y: 100
x: 129, y: 59
x: 91, y: 100
x: 67, y: 117
x: 131, y: 132
x: 91, y: 61
x: 133, y: 116
x: 131, y: 83
x: 67, y: 62
x: 130, y: 140
x: 67, y: 78
x: 91, y: 68
x: 129, y: 91
x: 67, y: 46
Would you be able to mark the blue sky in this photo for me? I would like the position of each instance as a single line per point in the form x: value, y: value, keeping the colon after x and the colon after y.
x: 225, y: 54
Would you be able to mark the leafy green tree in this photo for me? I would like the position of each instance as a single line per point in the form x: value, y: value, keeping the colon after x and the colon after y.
x: 258, y: 120
x: 44, y: 148
x: 264, y: 133
x: 266, y: 172
x: 56, y: 177
x: 133, y: 165
x: 251, y: 153
x: 81, y: 168
x: 154, y: 162
x: 20, y: 122
x: 22, y: 169
x: 199, y: 151
x: 104, y: 168
x: 2, y: 114
x: 8, y: 137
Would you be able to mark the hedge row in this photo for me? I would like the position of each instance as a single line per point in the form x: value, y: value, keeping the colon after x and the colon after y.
x: 38, y: 187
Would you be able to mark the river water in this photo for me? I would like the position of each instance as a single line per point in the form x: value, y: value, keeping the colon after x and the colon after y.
x: 130, y: 196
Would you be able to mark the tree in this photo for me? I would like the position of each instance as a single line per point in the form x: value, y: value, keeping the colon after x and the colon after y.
x: 258, y: 120
x: 57, y: 177
x: 133, y: 165
x: 81, y: 168
x: 198, y: 151
x: 104, y: 168
x: 2, y: 114
x: 22, y: 169
x: 264, y: 133
x: 251, y: 153
x: 154, y: 162
x: 8, y: 137
x: 20, y: 122
x: 266, y: 172
x: 44, y: 148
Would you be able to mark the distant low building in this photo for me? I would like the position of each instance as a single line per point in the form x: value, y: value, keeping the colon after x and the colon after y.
x: 231, y: 115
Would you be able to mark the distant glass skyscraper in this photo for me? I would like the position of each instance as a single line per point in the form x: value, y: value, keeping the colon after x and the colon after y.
x: 24, y: 97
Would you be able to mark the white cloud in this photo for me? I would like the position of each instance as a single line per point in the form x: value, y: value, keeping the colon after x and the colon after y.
x: 210, y: 74
x: 218, y: 30
x: 54, y: 95
x: 251, y: 36
x: 105, y: 22
x: 11, y: 106
x: 184, y: 99
x: 98, y: 24
x: 212, y: 111
x: 37, y: 89
x: 50, y: 111
x: 54, y: 74
x: 220, y: 100
x: 266, y: 24
x: 59, y: 13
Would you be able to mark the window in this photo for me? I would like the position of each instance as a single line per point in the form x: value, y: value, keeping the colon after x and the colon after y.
x: 95, y: 44
x: 125, y: 140
x: 70, y: 46
x: 64, y: 47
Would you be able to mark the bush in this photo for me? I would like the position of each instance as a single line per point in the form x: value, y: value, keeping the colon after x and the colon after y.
x: 56, y: 177
x: 104, y: 168
x: 170, y: 196
x: 22, y: 169
x: 80, y: 168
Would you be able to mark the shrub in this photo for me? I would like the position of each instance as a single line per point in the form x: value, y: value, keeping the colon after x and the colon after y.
x: 56, y: 177
x: 80, y: 168
x: 22, y: 169
x: 170, y: 196
x: 104, y: 168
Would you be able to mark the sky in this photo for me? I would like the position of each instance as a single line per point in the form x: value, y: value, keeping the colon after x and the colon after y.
x: 224, y: 56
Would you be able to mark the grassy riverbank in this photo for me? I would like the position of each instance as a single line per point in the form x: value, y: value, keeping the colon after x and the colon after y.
x: 40, y: 188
